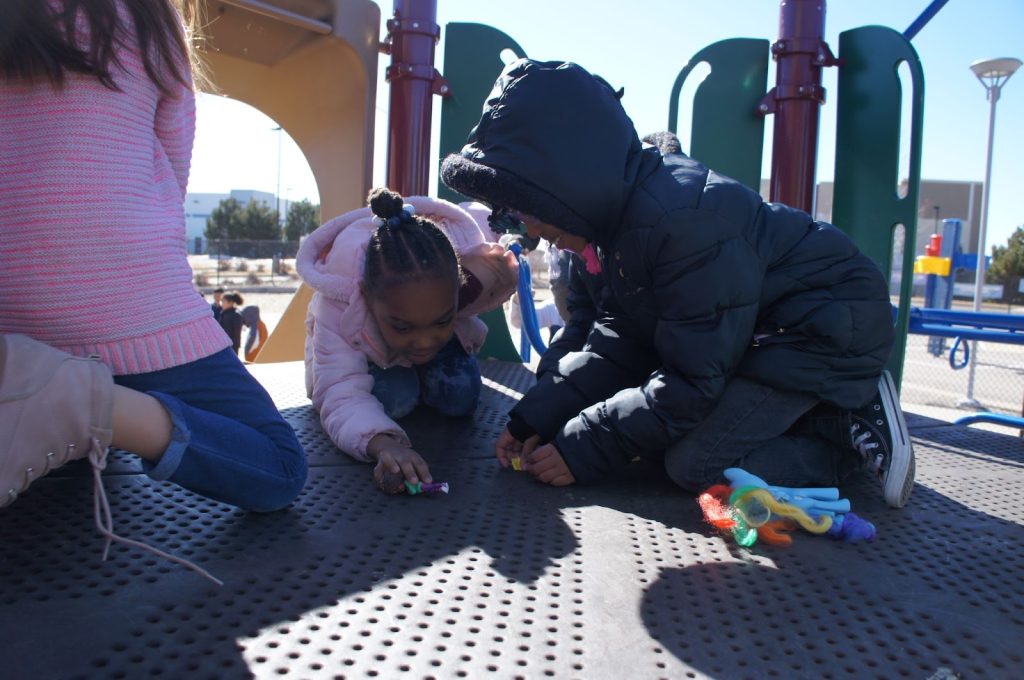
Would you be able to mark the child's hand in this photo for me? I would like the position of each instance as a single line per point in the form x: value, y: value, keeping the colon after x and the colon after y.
x: 508, y: 447
x: 395, y: 460
x: 387, y: 481
x: 547, y: 465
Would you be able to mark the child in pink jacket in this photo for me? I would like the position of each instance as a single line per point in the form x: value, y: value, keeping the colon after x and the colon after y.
x: 392, y: 323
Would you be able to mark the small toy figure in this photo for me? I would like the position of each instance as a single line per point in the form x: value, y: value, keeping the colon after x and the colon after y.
x: 395, y: 483
x: 424, y: 488
x: 749, y: 508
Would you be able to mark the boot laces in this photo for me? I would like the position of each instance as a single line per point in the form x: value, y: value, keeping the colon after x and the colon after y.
x: 105, y: 522
x: 30, y: 472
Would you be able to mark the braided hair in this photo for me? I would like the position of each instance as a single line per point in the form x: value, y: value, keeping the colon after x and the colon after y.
x: 405, y: 247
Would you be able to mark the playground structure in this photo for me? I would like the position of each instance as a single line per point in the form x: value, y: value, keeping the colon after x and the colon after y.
x: 279, y: 57
x: 505, y: 577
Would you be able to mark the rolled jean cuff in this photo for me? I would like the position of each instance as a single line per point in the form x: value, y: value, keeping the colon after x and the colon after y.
x: 180, y: 438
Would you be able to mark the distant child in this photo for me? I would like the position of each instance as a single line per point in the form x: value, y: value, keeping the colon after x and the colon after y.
x: 736, y: 333
x: 230, y: 319
x: 257, y: 335
x: 97, y: 113
x: 392, y: 323
x: 218, y: 293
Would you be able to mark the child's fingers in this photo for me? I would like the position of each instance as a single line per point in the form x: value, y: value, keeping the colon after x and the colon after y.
x: 549, y: 467
x: 530, y: 445
x: 507, y: 442
x: 388, y: 462
x: 541, y: 461
x: 556, y: 475
x: 422, y: 470
x: 564, y: 479
x: 409, y: 472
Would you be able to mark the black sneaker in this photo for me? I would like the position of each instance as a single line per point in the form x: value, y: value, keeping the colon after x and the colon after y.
x: 880, y: 435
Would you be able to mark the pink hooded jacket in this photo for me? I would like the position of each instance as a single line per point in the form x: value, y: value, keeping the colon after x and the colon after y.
x: 341, y: 335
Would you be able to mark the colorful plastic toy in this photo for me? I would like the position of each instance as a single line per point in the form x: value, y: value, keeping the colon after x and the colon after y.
x: 429, y: 489
x: 750, y: 509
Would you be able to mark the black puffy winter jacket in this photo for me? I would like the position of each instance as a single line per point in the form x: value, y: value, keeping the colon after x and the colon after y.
x: 707, y: 280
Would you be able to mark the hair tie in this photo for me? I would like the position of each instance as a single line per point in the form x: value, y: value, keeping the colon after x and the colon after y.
x: 395, y: 221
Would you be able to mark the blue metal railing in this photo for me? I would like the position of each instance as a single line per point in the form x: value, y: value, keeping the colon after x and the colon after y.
x: 1005, y: 328
x: 967, y: 325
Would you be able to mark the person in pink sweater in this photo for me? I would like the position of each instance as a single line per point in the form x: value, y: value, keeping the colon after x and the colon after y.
x: 103, y: 338
x: 392, y: 323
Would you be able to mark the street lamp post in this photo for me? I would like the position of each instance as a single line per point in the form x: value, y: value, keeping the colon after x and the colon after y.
x: 993, y: 74
x: 277, y: 193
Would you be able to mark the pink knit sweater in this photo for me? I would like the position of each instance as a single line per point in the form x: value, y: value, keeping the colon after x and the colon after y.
x: 92, y: 224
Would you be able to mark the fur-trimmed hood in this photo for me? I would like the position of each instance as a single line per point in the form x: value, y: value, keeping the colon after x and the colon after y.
x: 553, y: 142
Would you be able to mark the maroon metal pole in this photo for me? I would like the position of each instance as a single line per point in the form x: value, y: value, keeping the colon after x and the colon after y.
x: 412, y: 34
x: 800, y: 54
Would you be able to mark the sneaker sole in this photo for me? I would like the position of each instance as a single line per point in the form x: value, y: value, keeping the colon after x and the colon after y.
x: 898, y: 481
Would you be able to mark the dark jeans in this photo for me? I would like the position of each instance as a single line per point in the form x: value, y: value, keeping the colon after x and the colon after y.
x: 228, y: 440
x: 449, y: 383
x: 786, y: 438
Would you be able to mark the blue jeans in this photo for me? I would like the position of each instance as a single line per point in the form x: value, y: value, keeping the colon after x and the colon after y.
x: 786, y: 438
x: 228, y: 440
x: 449, y: 383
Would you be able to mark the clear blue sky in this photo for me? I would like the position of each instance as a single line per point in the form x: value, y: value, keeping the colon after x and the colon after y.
x: 643, y: 44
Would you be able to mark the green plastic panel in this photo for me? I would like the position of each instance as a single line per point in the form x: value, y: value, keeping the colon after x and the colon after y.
x: 866, y: 204
x: 727, y: 131
x: 472, y: 62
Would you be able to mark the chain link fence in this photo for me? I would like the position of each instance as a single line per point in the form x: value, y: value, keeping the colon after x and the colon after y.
x: 936, y: 375
x: 245, y: 264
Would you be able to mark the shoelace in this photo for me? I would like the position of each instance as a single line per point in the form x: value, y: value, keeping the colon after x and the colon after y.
x: 105, y: 522
x: 874, y: 461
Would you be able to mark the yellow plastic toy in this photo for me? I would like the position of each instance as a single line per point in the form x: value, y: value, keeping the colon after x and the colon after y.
x: 929, y: 264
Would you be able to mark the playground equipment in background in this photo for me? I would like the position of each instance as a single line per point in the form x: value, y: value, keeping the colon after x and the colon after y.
x: 965, y: 326
x: 278, y: 57
x: 937, y: 265
x: 942, y: 260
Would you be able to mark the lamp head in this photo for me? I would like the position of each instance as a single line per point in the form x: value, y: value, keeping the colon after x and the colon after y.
x: 995, y: 72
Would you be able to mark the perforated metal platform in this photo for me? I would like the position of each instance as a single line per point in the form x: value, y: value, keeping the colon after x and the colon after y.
x: 509, y: 578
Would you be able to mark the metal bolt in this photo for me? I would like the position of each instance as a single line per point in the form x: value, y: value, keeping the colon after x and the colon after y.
x: 415, y: 24
x: 763, y: 108
x: 444, y: 89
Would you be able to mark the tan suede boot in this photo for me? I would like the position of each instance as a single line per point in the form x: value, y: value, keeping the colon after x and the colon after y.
x: 54, y: 408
